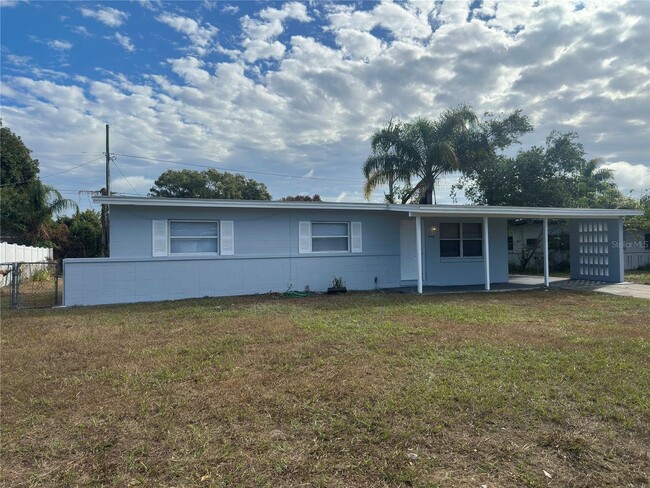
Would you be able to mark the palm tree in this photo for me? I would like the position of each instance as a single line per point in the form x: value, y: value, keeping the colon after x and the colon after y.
x: 45, y: 202
x: 424, y: 149
x: 384, y: 166
x: 431, y: 148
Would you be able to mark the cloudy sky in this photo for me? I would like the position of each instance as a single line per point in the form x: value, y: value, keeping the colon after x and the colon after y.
x: 289, y: 93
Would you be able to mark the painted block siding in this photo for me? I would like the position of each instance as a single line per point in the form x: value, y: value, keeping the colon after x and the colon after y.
x: 597, y: 248
x: 440, y: 271
x: 266, y: 257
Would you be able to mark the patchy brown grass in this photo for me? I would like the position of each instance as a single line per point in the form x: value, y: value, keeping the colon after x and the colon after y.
x: 364, y: 389
x: 641, y: 276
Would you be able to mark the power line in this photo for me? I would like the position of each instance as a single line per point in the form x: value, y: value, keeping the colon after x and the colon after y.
x: 50, y: 175
x: 123, y: 176
x: 238, y: 170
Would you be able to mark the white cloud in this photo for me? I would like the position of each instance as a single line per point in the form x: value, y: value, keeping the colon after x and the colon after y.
x: 124, y: 41
x: 200, y: 36
x: 230, y: 9
x: 130, y: 184
x: 312, y: 111
x: 260, y: 49
x: 18, y: 60
x: 630, y: 177
x: 259, y: 34
x: 110, y: 16
x: 81, y: 30
x: 10, y: 3
x: 59, y: 45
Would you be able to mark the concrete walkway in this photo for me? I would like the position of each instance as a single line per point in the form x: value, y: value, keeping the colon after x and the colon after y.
x: 528, y: 282
x: 623, y: 289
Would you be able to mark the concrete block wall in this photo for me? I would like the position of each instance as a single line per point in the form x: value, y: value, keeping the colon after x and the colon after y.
x: 597, y: 249
x: 266, y: 258
x: 122, y: 280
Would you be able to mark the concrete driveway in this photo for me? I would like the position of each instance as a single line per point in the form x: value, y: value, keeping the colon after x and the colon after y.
x: 623, y: 289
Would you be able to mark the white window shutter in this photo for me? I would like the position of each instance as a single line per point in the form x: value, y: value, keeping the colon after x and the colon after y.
x: 227, y: 237
x: 159, y: 237
x: 356, y: 237
x: 304, y: 231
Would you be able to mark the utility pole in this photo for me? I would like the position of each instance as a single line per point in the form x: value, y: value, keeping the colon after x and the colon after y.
x: 105, y: 208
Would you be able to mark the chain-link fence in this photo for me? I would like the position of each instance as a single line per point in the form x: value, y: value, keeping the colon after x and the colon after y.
x: 31, y: 285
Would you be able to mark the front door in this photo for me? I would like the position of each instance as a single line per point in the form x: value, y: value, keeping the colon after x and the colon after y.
x: 408, y: 250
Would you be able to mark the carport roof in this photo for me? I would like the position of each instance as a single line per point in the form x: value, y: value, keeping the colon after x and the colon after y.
x: 412, y: 210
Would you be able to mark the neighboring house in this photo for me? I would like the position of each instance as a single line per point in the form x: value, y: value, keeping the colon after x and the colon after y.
x: 525, y: 249
x: 524, y: 236
x: 637, y: 248
x: 165, y: 248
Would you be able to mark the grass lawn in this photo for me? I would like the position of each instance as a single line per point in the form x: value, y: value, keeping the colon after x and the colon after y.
x: 363, y: 389
x: 638, y: 276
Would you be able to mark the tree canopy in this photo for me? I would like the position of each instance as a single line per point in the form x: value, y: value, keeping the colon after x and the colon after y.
x: 556, y: 175
x: 16, y: 163
x: 301, y: 198
x: 208, y: 184
x: 79, y: 235
x: 27, y: 205
x: 423, y: 149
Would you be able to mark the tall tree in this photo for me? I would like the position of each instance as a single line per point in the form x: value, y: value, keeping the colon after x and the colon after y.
x: 208, y: 184
x: 79, y: 235
x: 556, y: 175
x: 17, y: 169
x: 423, y: 149
x: 385, y: 166
x: 45, y: 202
x: 16, y: 163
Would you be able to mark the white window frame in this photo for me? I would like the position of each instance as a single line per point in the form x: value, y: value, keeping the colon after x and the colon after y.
x: 460, y: 238
x: 312, y: 237
x: 170, y: 237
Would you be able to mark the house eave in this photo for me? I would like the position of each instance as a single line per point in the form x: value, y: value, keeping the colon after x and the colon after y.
x: 525, y: 212
x: 412, y: 210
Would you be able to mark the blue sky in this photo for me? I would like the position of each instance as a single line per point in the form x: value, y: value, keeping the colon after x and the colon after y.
x: 286, y: 88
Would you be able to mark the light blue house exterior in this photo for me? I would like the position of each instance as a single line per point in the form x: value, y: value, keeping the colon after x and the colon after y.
x: 167, y: 249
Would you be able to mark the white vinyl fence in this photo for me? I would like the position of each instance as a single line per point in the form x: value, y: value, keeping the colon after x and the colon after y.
x: 15, y: 253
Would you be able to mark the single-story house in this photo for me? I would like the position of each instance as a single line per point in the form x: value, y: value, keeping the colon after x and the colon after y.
x: 162, y: 248
x: 527, y: 235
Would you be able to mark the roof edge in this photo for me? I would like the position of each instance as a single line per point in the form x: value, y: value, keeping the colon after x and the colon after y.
x: 412, y: 210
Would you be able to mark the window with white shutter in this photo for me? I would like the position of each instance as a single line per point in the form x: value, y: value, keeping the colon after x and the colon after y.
x: 329, y: 237
x: 159, y: 238
x: 304, y: 237
x: 193, y: 237
x: 356, y: 237
x: 227, y: 237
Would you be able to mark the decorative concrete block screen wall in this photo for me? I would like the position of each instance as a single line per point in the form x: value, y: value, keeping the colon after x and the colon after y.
x: 597, y: 250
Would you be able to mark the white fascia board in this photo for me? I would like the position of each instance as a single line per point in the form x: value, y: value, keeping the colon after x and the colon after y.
x: 264, y: 204
x: 412, y: 210
x: 524, y: 212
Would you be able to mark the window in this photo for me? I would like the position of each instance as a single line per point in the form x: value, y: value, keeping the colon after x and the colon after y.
x: 511, y: 244
x: 532, y: 242
x: 330, y: 237
x: 341, y: 237
x: 459, y: 240
x: 646, y: 244
x: 193, y: 237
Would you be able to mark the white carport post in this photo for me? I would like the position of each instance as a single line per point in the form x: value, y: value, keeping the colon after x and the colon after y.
x: 418, y: 247
x: 486, y: 252
x: 546, y: 280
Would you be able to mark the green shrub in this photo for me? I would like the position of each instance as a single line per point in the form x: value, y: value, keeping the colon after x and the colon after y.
x: 42, y: 274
